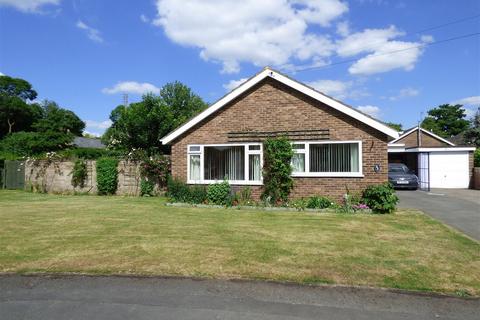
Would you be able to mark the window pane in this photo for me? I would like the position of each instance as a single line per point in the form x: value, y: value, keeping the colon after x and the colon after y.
x: 224, y: 163
x: 298, y: 146
x: 298, y: 162
x: 195, y: 167
x: 255, y: 147
x: 255, y: 167
x: 338, y: 157
x: 194, y: 148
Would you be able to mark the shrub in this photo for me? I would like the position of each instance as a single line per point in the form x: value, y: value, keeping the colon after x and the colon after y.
x: 146, y: 188
x: 319, y: 202
x: 33, y: 143
x: 299, y: 204
x: 277, y: 170
x: 198, y: 194
x: 88, y: 153
x: 178, y: 190
x: 107, y: 176
x: 156, y: 169
x: 380, y: 198
x: 476, y: 158
x: 79, y: 174
x: 219, y: 193
x: 245, y: 197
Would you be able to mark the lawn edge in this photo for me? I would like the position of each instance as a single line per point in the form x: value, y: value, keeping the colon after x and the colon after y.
x: 65, y: 275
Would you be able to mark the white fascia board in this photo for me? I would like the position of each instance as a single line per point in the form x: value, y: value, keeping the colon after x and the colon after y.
x: 435, y: 149
x: 267, y: 72
x: 446, y: 149
x: 424, y: 131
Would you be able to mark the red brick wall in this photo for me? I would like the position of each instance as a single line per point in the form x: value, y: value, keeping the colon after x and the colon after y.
x: 272, y: 106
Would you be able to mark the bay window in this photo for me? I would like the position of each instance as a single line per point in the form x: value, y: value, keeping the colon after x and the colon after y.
x: 327, y: 158
x: 237, y: 163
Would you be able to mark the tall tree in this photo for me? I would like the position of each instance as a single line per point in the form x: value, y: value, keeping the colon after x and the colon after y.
x: 393, y: 125
x: 15, y: 113
x: 16, y: 87
x: 446, y: 120
x: 59, y: 120
x: 142, y: 124
x: 472, y: 135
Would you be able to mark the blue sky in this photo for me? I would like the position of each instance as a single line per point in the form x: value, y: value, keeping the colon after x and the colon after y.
x: 84, y: 54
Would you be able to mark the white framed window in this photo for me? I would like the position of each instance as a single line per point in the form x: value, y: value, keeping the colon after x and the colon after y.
x: 238, y: 163
x: 327, y: 159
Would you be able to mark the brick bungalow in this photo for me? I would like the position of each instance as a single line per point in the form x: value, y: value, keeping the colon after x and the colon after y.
x: 336, y: 146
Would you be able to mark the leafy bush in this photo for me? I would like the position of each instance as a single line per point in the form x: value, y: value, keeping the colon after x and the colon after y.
x: 299, y: 204
x: 198, y: 194
x: 319, y: 203
x: 179, y: 191
x: 79, y: 174
x: 277, y: 179
x: 34, y: 143
x: 219, y: 193
x: 156, y: 169
x: 476, y: 158
x: 380, y: 198
x: 146, y: 188
x: 245, y: 196
x: 107, y: 176
x: 88, y: 153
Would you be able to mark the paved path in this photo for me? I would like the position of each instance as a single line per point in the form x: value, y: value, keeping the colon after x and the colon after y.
x: 458, y: 208
x: 91, y: 298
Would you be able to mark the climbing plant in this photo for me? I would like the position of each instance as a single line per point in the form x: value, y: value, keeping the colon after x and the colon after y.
x: 277, y: 169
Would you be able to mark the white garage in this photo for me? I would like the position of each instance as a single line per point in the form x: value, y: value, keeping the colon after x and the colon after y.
x: 437, y: 162
x: 449, y: 169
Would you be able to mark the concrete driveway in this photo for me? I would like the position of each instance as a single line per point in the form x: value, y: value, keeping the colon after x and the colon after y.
x: 459, y: 208
x: 156, y: 298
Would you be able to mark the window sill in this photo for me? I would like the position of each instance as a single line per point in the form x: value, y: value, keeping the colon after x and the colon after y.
x: 327, y: 175
x: 234, y: 182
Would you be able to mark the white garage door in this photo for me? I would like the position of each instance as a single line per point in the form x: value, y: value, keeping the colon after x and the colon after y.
x: 449, y: 170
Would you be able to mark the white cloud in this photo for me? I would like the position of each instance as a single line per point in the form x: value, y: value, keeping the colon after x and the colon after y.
x: 383, y: 60
x: 92, y: 33
x: 370, y: 110
x: 234, y: 83
x: 335, y: 88
x: 144, y: 18
x: 405, y: 93
x: 131, y: 87
x: 343, y: 28
x: 471, y: 105
x: 382, y: 49
x: 469, y: 101
x: 272, y: 32
x: 31, y: 6
x: 1, y: 74
x: 340, y: 89
x: 97, y: 128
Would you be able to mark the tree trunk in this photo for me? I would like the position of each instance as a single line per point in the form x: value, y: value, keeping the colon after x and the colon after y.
x: 10, y: 126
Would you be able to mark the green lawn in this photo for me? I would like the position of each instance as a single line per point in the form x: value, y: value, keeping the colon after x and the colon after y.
x: 126, y: 235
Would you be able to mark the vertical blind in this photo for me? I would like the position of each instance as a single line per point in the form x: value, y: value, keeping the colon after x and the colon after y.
x: 224, y: 163
x: 336, y: 157
x: 195, y: 167
x: 254, y: 167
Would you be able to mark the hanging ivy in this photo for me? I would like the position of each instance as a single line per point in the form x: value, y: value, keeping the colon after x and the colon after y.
x: 107, y: 176
x: 79, y: 173
x: 277, y: 170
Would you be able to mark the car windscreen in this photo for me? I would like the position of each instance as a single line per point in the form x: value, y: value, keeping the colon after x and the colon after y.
x: 396, y: 169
